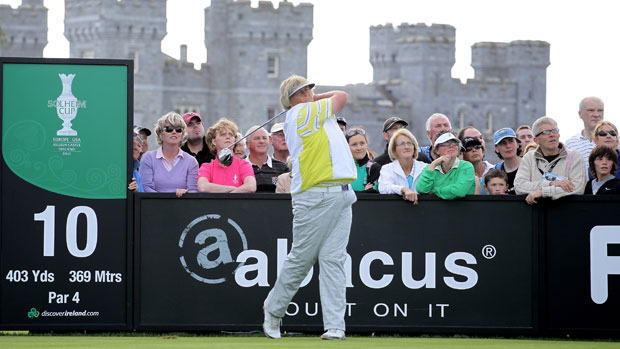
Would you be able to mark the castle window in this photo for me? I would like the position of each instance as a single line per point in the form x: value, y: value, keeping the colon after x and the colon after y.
x: 271, y: 112
x: 489, y: 123
x: 393, y: 57
x: 135, y: 56
x: 461, y: 115
x: 240, y: 16
x: 186, y: 108
x: 273, y: 66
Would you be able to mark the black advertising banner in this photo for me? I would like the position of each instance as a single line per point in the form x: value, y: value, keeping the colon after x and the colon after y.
x: 64, y: 194
x: 209, y: 262
x: 582, y: 273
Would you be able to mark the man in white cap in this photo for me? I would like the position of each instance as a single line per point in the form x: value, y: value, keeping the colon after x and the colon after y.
x: 278, y: 141
x: 322, y: 169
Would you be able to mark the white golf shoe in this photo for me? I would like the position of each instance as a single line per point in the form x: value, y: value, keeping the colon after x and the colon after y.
x: 333, y: 334
x: 271, y: 325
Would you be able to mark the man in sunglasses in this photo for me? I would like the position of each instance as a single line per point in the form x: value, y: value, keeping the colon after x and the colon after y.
x: 591, y: 112
x: 552, y: 170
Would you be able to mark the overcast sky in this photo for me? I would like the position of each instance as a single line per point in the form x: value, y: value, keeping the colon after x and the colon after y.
x: 584, y: 47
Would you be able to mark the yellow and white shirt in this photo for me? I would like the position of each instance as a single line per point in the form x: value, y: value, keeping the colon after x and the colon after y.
x: 320, y: 154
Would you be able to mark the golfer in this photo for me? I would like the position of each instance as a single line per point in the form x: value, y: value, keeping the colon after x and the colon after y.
x: 322, y: 168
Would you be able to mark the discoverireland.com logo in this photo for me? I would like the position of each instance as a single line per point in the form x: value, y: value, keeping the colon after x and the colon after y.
x: 34, y: 313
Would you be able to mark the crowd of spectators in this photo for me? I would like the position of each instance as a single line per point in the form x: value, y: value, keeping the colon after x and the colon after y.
x: 533, y: 161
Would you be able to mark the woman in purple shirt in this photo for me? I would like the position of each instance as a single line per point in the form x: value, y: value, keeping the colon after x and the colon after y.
x: 169, y: 169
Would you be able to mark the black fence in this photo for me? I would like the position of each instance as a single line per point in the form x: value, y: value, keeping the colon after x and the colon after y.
x: 480, y: 265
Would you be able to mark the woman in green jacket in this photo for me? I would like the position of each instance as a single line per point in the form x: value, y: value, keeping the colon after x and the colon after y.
x: 447, y: 176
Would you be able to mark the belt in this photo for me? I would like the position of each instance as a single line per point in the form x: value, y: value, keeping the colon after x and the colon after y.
x: 332, y: 189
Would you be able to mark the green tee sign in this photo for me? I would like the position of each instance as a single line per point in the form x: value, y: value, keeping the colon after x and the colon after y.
x: 64, y: 127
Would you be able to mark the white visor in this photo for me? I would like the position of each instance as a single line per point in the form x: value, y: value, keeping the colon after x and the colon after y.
x: 299, y: 88
x: 444, y: 138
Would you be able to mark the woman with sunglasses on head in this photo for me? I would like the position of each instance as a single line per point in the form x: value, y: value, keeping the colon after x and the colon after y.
x: 358, y: 143
x: 168, y: 168
x: 607, y: 133
x: 214, y: 177
x: 447, y: 176
x: 401, y: 175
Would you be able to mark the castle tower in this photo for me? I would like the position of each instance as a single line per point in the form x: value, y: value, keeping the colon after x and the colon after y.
x: 123, y: 29
x: 489, y: 60
x: 25, y: 29
x: 527, y: 63
x: 249, y: 52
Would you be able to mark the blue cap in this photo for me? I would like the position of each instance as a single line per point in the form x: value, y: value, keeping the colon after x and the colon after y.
x: 502, y: 133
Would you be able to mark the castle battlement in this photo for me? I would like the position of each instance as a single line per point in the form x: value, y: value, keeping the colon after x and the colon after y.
x: 242, y: 21
x: 106, y: 19
x: 25, y: 29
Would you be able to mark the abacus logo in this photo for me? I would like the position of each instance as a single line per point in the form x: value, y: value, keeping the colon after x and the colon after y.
x: 33, y: 313
x: 208, y: 245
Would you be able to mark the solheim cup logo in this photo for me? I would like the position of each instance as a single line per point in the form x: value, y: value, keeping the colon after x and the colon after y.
x: 66, y: 106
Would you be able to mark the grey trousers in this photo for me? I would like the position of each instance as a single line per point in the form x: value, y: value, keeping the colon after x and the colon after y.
x: 321, y: 227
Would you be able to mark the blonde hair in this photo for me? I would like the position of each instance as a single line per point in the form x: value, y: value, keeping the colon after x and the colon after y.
x: 288, y: 85
x: 601, y: 124
x: 530, y: 146
x: 218, y: 128
x: 392, y: 144
x: 173, y: 119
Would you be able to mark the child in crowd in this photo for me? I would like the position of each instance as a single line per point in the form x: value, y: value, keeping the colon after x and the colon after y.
x: 496, y: 182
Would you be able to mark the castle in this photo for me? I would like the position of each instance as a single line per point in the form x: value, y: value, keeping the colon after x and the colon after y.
x: 251, y: 50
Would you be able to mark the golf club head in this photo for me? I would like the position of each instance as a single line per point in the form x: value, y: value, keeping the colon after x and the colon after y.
x: 225, y: 157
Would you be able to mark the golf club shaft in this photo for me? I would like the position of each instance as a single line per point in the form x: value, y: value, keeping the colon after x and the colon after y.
x: 256, y: 129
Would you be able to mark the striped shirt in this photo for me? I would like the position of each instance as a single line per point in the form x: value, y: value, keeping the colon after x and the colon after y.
x: 582, y: 145
x: 320, y: 154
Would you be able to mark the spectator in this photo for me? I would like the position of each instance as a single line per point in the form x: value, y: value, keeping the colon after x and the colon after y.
x: 239, y: 149
x: 342, y: 123
x: 390, y: 126
x: 196, y: 145
x: 278, y: 141
x: 213, y: 177
x: 358, y: 143
x: 496, y: 182
x: 266, y: 169
x: 507, y: 149
x: 447, y: 176
x: 607, y: 133
x: 473, y: 152
x: 470, y: 131
x: 136, y: 180
x: 603, y: 165
x: 283, y: 185
x: 591, y: 112
x: 435, y: 123
x: 551, y: 170
x: 525, y: 137
x: 168, y: 168
x: 401, y: 175
x: 144, y: 133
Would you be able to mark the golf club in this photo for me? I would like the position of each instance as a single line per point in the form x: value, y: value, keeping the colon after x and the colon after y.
x: 225, y: 155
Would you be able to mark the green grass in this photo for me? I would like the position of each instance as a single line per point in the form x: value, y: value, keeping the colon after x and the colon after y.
x: 21, y: 340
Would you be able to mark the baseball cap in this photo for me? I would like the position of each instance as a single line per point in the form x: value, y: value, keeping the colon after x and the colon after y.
x: 444, y: 138
x: 341, y: 120
x: 470, y: 142
x: 391, y: 121
x: 502, y: 133
x: 137, y: 129
x: 187, y: 117
x: 277, y: 127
